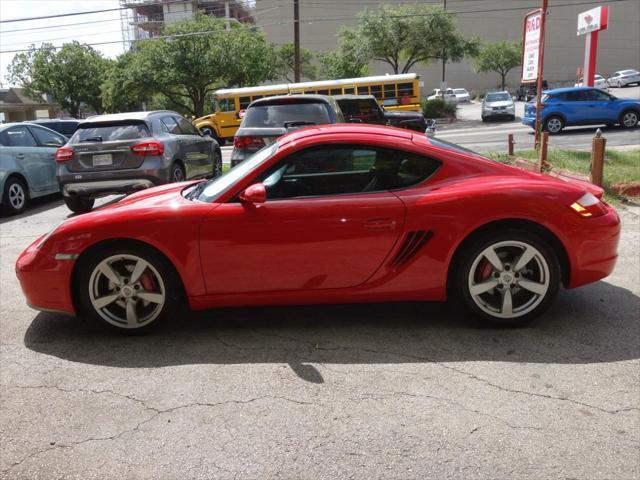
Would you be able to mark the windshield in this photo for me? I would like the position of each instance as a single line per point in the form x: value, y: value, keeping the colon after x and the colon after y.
x: 209, y: 191
x: 106, y: 132
x: 498, y: 97
x: 276, y: 115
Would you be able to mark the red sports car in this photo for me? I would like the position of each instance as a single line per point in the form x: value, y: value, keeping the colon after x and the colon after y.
x: 332, y: 214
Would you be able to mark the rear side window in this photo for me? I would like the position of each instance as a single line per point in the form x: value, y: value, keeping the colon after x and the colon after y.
x: 110, y: 132
x: 264, y: 116
x: 17, y: 137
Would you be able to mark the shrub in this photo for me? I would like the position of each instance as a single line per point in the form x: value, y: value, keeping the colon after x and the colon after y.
x: 438, y: 108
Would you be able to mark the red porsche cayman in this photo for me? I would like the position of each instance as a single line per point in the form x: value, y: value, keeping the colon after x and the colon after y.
x: 332, y: 214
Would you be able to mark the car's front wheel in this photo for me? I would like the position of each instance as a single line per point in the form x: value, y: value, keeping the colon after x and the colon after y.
x: 79, y: 204
x: 127, y: 289
x: 508, y: 278
x: 15, y: 195
x: 553, y: 125
x: 629, y: 119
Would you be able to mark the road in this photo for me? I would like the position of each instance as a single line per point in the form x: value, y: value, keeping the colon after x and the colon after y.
x: 393, y: 391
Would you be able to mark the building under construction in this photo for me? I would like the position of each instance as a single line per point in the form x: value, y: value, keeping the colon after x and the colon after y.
x: 145, y: 18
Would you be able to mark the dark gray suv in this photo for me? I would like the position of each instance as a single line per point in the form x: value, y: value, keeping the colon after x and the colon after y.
x: 125, y: 152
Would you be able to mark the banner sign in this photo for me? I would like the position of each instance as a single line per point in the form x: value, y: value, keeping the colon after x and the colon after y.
x: 593, y: 20
x: 531, y: 46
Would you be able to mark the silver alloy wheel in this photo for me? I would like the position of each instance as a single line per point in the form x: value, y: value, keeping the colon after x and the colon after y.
x: 126, y: 291
x: 630, y: 119
x: 554, y: 125
x: 509, y: 279
x: 17, y: 195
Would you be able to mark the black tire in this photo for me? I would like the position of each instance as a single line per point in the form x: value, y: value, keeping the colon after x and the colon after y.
x: 484, y: 119
x: 217, y: 163
x: 512, y: 118
x: 545, y: 263
x: 553, y: 124
x: 15, y: 196
x: 79, y: 204
x: 114, y: 316
x: 177, y: 173
x: 629, y: 119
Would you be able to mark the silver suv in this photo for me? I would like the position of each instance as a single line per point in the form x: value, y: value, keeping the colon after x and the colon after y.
x: 125, y: 152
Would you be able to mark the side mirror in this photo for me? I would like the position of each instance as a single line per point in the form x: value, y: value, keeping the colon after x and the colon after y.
x: 256, y: 193
x: 206, y: 133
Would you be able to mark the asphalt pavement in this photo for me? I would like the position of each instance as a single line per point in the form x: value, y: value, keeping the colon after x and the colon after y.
x: 391, y: 391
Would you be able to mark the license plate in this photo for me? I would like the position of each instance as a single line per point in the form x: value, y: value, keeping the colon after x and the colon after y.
x: 101, y: 160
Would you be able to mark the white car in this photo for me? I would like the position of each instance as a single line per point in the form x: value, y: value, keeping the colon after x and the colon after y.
x: 462, y: 95
x: 449, y: 95
x: 623, y: 78
x: 498, y: 105
x: 598, y: 81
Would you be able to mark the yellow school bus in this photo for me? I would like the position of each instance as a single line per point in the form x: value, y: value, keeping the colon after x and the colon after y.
x: 394, y: 92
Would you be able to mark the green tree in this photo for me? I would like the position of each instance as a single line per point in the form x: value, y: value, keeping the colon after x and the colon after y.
x: 286, y: 62
x: 124, y: 88
x: 348, y: 60
x: 500, y: 57
x: 70, y: 76
x: 198, y: 57
x: 402, y: 36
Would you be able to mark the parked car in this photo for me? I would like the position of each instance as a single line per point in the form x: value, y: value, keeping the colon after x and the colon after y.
x: 268, y: 118
x: 27, y: 164
x: 65, y: 126
x: 331, y: 214
x: 527, y: 91
x: 623, y: 78
x: 366, y: 109
x: 462, y: 95
x: 565, y: 107
x: 449, y: 95
x: 125, y: 152
x: 598, y: 81
x: 498, y: 105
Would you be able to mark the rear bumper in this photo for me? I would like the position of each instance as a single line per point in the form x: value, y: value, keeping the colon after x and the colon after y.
x: 105, y: 187
x: 45, y: 281
x: 595, y: 251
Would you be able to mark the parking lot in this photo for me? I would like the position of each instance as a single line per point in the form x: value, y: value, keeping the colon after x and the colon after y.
x: 362, y: 391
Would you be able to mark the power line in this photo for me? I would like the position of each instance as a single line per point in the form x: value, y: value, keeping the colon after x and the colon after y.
x: 59, y: 26
x: 288, y: 22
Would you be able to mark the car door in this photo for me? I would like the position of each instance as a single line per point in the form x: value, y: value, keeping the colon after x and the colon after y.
x: 182, y: 149
x: 604, y: 106
x: 200, y: 147
x: 328, y: 223
x: 48, y: 143
x: 29, y: 158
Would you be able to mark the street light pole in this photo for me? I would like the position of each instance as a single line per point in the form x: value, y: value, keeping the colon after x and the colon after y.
x: 296, y: 41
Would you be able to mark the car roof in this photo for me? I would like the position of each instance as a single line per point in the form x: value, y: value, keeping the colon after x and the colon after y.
x: 338, y: 128
x: 119, y: 117
x: 567, y: 89
x: 4, y: 126
x: 49, y: 120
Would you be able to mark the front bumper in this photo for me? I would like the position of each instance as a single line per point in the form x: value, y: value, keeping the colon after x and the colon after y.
x: 529, y: 121
x: 498, y: 113
x: 45, y: 281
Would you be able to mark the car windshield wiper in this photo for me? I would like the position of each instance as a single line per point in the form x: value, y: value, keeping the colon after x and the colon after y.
x: 93, y: 139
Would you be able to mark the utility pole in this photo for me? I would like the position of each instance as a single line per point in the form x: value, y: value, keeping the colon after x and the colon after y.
x: 444, y: 61
x: 545, y: 7
x: 296, y: 41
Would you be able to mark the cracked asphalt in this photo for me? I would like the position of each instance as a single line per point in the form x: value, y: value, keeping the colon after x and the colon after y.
x: 394, y: 391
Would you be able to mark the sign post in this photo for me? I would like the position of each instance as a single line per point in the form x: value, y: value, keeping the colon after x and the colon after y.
x: 589, y: 24
x: 533, y: 56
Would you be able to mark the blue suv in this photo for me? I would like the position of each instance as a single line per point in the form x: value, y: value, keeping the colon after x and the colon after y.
x: 565, y: 107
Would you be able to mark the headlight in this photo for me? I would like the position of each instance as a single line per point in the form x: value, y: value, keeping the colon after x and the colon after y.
x: 588, y: 206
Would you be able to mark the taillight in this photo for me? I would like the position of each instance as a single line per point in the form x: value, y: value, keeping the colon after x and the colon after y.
x: 148, y: 148
x: 588, y: 206
x: 246, y: 142
x: 64, y: 154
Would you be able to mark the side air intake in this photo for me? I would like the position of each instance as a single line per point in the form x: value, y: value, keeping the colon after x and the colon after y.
x: 411, y: 245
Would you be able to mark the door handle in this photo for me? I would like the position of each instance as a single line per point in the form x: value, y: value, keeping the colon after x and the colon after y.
x: 20, y: 155
x: 380, y: 224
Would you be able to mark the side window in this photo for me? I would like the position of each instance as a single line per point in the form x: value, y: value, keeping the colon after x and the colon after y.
x: 390, y: 90
x: 187, y: 128
x: 172, y: 125
x: 68, y: 128
x: 576, y: 96
x: 227, y: 105
x: 18, y: 137
x: 597, y: 96
x: 405, y: 89
x: 363, y: 90
x: 47, y: 138
x: 336, y: 91
x: 349, y: 91
x: 376, y: 91
x: 339, y: 170
x: 244, y: 102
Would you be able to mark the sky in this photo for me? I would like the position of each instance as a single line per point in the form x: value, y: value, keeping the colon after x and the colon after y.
x: 105, y: 26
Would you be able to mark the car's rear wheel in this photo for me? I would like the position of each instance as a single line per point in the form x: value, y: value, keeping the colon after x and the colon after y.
x: 79, y: 204
x: 553, y: 125
x: 177, y: 173
x: 15, y: 195
x: 128, y: 289
x: 629, y: 119
x: 508, y: 278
